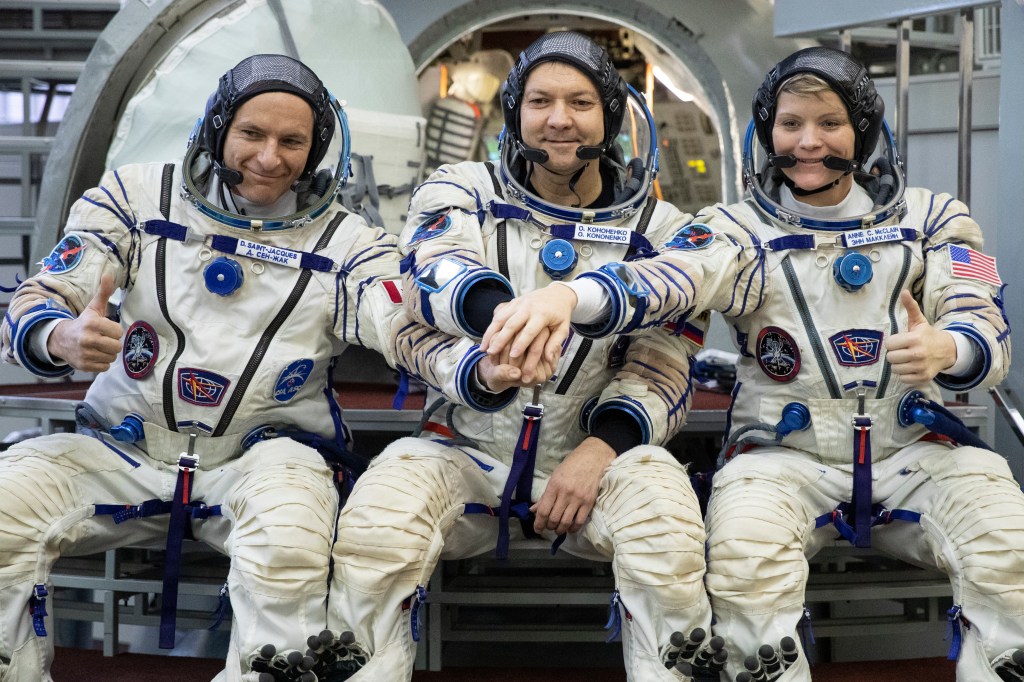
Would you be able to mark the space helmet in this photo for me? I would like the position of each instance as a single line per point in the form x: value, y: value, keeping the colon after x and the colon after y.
x: 629, y: 143
x: 253, y: 76
x: 876, y: 165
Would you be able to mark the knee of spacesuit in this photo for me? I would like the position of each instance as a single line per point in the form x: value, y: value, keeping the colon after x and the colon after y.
x: 654, y: 523
x: 757, y: 526
x: 977, y: 519
x: 395, y: 520
x: 37, y: 489
x: 284, y: 508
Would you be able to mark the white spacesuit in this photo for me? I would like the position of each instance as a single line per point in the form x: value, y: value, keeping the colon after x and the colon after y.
x: 481, y: 231
x: 825, y: 434
x: 231, y: 323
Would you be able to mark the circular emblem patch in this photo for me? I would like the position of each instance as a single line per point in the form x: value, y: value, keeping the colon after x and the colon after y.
x: 691, y: 237
x: 65, y: 256
x: 777, y: 354
x: 434, y: 226
x: 140, y: 350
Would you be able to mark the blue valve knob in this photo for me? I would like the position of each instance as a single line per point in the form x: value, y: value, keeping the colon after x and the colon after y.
x: 223, y: 276
x: 922, y: 415
x: 558, y: 258
x: 795, y: 417
x: 852, y: 270
x: 129, y: 430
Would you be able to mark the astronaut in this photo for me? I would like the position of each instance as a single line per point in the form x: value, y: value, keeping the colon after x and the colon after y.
x: 852, y: 300
x: 241, y: 280
x: 576, y: 458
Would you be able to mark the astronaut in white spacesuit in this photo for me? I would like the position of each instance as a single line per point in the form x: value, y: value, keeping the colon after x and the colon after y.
x: 241, y: 280
x: 852, y: 300
x: 577, y: 457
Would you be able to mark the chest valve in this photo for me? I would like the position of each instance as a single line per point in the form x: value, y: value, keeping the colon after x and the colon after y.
x: 852, y: 270
x: 223, y: 276
x: 558, y: 258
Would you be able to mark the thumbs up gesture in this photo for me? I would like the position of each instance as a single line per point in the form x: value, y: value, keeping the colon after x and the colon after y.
x: 921, y: 351
x: 90, y: 342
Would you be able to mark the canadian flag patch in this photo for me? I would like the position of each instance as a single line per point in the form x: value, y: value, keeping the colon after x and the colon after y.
x: 393, y: 288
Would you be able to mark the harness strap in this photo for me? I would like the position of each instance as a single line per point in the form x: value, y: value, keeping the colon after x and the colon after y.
x: 187, y: 464
x: 862, y: 480
x: 520, y: 477
x: 37, y: 608
x: 126, y: 512
x: 878, y: 516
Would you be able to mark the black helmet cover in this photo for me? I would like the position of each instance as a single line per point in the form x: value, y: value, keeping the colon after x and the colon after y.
x: 581, y: 52
x: 845, y: 75
x: 267, y: 73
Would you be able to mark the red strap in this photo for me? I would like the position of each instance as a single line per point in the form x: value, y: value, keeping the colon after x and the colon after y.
x: 439, y: 429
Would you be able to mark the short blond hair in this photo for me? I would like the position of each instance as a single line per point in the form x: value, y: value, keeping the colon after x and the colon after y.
x: 804, y: 84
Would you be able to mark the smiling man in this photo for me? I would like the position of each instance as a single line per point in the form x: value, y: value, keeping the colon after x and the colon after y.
x: 242, y: 279
x: 577, y: 457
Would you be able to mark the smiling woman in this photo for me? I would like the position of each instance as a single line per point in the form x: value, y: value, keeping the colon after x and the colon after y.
x: 811, y: 127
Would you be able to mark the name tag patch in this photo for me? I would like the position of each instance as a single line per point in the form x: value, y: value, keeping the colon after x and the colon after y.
x: 270, y: 254
x: 602, y: 233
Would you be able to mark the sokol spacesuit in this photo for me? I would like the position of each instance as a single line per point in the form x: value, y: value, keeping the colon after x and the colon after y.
x: 234, y: 306
x: 477, y: 234
x: 849, y: 303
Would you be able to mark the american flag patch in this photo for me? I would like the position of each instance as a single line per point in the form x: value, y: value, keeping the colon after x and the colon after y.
x: 392, y: 289
x: 965, y: 262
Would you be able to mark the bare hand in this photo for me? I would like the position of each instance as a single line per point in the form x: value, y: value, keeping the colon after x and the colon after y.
x: 921, y: 352
x: 499, y: 374
x: 90, y: 342
x: 520, y: 325
x: 570, y: 495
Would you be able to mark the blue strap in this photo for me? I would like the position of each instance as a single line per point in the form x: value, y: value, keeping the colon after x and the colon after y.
x: 223, y: 604
x: 862, y: 481
x: 398, y: 402
x: 806, y: 629
x: 155, y: 507
x: 954, y: 631
x: 614, y: 618
x: 37, y: 607
x: 229, y: 245
x: 505, y: 211
x: 879, y: 515
x: 165, y: 228
x: 172, y: 561
x: 419, y: 599
x: 793, y: 241
x: 520, y: 476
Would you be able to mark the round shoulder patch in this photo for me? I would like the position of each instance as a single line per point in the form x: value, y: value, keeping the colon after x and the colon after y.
x: 139, y: 354
x: 692, y: 236
x: 65, y: 256
x: 433, y: 226
x: 777, y: 354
